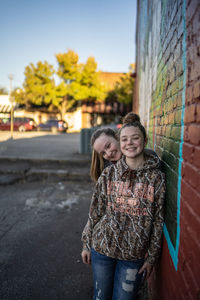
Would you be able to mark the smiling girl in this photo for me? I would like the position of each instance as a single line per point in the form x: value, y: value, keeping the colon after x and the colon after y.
x: 123, y: 234
x: 106, y: 148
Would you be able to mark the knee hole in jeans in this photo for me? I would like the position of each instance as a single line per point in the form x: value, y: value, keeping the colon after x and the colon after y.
x: 130, y: 276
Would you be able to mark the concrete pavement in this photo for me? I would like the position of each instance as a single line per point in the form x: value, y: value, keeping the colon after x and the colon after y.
x: 45, y: 196
x: 41, y: 146
x: 40, y: 236
x: 36, y: 156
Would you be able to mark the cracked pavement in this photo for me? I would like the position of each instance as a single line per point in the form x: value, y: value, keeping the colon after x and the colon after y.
x: 40, y: 230
x: 45, y: 193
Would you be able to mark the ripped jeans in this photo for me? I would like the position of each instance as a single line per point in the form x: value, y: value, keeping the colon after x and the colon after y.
x: 115, y: 279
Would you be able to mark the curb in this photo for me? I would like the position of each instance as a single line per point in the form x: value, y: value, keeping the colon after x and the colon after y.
x: 14, y: 170
x: 75, y: 159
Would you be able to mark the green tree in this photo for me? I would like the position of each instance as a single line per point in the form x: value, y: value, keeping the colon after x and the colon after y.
x: 39, y: 85
x: 19, y: 96
x: 78, y: 82
x: 81, y: 81
x: 3, y: 91
x: 123, y: 90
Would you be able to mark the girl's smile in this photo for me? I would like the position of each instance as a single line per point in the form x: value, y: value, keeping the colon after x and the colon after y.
x: 108, y: 147
x: 132, y: 142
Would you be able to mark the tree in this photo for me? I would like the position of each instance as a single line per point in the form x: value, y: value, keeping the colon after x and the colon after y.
x: 19, y: 96
x: 78, y: 82
x: 123, y: 90
x: 81, y: 81
x: 3, y: 91
x: 39, y: 87
x: 39, y: 84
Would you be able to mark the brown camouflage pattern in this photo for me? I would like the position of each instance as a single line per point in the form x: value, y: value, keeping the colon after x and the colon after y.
x: 127, y: 212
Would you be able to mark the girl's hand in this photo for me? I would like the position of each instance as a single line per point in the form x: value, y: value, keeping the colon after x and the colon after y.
x: 86, y: 257
x: 147, y: 269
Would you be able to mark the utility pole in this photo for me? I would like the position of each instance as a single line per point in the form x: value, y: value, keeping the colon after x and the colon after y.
x: 12, y: 108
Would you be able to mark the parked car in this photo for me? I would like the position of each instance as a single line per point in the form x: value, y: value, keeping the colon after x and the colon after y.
x: 53, y: 125
x: 19, y: 124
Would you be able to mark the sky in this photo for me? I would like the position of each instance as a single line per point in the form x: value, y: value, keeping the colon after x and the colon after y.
x: 36, y: 30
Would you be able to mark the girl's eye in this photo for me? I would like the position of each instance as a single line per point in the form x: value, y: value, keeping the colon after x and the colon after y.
x: 107, y: 146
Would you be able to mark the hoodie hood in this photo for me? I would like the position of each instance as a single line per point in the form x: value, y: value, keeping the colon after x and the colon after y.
x: 151, y: 162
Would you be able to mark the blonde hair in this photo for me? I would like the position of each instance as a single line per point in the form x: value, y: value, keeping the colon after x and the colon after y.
x: 97, y: 165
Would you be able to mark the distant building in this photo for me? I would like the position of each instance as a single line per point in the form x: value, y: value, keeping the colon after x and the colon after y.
x: 5, y: 104
x: 110, y: 78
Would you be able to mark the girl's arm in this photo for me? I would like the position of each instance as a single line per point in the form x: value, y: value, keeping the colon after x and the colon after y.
x: 97, y: 210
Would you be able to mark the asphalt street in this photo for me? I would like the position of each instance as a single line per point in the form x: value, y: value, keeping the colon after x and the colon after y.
x: 40, y: 230
x: 41, y: 221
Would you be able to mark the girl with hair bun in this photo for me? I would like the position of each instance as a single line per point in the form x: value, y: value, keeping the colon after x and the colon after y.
x: 131, y: 118
x: 122, y: 237
x: 105, y: 147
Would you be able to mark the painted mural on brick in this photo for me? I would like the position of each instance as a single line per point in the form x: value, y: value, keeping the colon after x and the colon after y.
x: 167, y: 97
x: 161, y: 58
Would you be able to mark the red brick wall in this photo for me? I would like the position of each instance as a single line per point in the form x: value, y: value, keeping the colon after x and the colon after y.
x: 168, y: 101
x: 190, y: 195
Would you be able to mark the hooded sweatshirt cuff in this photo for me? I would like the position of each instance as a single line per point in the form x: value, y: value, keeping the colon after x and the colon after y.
x: 150, y: 259
x: 86, y: 247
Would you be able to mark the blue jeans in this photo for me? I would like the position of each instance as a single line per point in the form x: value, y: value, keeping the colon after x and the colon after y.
x: 115, y: 279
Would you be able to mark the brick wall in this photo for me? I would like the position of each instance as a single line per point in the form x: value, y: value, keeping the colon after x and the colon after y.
x: 167, y: 97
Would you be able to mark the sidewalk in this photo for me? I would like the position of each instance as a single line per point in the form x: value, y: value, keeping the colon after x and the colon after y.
x: 36, y: 156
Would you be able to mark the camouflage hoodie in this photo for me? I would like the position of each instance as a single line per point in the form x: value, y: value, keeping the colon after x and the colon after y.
x: 126, y: 213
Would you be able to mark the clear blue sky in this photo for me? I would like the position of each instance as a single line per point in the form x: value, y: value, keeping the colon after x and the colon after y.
x: 33, y: 30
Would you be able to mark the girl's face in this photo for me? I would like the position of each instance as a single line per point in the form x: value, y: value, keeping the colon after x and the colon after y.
x: 132, y: 142
x: 108, y: 147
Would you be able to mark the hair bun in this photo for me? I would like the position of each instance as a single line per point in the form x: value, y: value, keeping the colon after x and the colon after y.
x: 131, y: 118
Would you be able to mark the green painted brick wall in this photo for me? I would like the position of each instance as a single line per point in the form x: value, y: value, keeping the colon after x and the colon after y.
x: 167, y: 98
